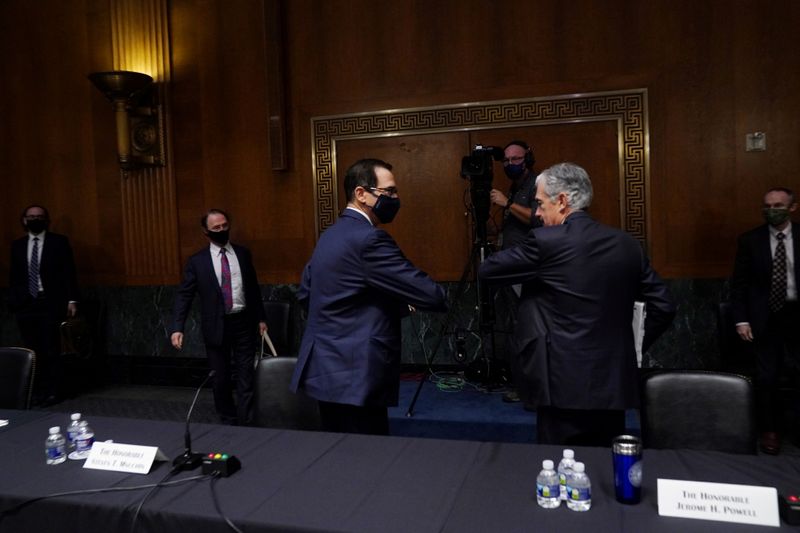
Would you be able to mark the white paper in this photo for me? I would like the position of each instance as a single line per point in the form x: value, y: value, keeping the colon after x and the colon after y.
x: 119, y: 457
x: 724, y: 502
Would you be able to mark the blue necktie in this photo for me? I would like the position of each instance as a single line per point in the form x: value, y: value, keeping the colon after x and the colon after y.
x: 33, y: 269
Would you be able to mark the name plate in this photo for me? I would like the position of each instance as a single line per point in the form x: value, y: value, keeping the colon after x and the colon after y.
x: 119, y: 457
x: 724, y: 502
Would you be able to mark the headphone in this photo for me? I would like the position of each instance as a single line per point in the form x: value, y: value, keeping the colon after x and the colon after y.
x: 529, y: 159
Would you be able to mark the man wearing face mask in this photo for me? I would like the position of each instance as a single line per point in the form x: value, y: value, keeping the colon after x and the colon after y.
x: 43, y: 292
x: 519, y: 217
x: 232, y: 315
x: 765, y: 306
x: 356, y: 288
x: 579, y: 280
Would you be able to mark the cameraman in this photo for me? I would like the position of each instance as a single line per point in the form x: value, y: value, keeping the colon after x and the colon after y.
x: 519, y: 217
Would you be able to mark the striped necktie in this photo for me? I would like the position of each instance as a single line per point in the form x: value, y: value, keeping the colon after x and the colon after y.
x: 33, y: 269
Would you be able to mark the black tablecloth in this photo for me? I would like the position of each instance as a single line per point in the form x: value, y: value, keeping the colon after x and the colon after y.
x: 306, y: 481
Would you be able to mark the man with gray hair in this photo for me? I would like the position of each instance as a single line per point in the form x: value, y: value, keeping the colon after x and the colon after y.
x: 574, y: 337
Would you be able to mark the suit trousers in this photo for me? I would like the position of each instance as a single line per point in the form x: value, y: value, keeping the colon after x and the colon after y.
x: 578, y: 427
x: 233, y: 363
x: 39, y: 321
x: 780, y: 341
x: 345, y: 418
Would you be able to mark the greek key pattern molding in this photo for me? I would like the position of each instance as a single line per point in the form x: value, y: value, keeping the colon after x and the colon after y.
x: 628, y: 108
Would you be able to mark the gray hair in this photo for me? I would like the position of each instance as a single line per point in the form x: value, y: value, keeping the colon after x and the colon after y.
x: 570, y: 179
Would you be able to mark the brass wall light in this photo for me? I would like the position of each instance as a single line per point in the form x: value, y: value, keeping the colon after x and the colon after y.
x: 140, y: 125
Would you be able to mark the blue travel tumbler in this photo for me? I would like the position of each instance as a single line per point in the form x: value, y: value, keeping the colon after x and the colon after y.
x: 627, y: 454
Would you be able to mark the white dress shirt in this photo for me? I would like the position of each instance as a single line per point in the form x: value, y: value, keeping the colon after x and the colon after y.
x: 237, y: 286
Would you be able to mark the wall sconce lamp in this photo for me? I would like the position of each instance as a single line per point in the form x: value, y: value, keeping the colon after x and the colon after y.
x: 140, y: 125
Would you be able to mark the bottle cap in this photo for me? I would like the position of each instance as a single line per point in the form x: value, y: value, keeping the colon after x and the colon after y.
x: 55, y: 429
x: 75, y: 416
x: 569, y: 454
x: 547, y: 464
x: 579, y: 467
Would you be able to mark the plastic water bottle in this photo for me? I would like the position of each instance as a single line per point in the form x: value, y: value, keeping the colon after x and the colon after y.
x: 547, y: 488
x: 565, y: 471
x: 579, y: 489
x: 72, y: 430
x: 55, y: 446
x: 83, y: 441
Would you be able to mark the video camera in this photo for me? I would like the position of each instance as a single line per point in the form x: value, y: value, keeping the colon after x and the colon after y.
x: 477, y: 168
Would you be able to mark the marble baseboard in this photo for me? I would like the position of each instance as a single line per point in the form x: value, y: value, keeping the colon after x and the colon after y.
x: 135, y: 322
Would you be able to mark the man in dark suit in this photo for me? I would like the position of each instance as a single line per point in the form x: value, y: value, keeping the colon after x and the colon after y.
x: 357, y: 286
x: 574, y: 333
x: 43, y: 292
x: 765, y: 306
x: 231, y: 314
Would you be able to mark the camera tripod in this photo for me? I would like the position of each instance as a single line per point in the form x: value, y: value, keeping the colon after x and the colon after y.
x: 481, y: 249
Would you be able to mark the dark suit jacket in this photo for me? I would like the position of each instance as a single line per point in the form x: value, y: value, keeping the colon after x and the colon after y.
x: 199, y: 277
x: 752, y: 276
x: 357, y: 287
x: 574, y: 331
x: 56, y: 269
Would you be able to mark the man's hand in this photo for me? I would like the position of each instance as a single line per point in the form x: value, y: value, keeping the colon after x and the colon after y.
x: 745, y: 333
x: 72, y: 309
x: 262, y: 328
x: 177, y: 340
x: 498, y: 198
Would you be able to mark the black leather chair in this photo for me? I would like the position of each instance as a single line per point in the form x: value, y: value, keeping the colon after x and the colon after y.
x: 274, y: 404
x: 698, y: 410
x: 17, y: 368
x: 279, y: 326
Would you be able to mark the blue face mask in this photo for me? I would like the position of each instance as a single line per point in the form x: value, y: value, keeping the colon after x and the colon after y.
x: 386, y: 208
x: 514, y: 171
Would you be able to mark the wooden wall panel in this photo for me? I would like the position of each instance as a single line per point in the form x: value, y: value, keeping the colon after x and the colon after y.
x: 431, y: 228
x: 714, y: 70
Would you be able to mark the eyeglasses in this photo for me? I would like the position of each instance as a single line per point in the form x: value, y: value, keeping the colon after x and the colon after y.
x: 35, y: 217
x: 516, y: 160
x: 391, y: 191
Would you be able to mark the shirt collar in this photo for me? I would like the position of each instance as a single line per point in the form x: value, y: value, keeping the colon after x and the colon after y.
x: 787, y: 231
x: 215, y: 248
x: 39, y: 236
x: 362, y: 213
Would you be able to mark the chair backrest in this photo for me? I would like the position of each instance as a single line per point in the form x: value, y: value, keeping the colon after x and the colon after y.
x: 699, y: 410
x: 17, y: 368
x: 278, y: 325
x: 275, y: 405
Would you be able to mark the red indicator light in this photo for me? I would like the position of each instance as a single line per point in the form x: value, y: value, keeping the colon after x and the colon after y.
x: 793, y: 498
x: 211, y: 456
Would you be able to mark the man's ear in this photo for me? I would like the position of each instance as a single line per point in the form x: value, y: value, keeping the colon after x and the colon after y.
x: 360, y: 193
x: 563, y: 201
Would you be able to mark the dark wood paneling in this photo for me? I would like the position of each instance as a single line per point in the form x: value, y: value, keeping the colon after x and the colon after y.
x: 714, y: 70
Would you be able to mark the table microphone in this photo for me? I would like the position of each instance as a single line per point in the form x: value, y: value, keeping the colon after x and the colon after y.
x: 189, y: 460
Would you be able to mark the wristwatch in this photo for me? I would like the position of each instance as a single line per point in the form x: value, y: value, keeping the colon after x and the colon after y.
x: 509, y: 202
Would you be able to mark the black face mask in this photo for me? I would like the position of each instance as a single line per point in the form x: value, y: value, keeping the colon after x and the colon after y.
x: 386, y: 208
x: 36, y: 226
x: 219, y: 237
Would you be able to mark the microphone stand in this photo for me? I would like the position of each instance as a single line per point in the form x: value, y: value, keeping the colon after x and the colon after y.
x: 189, y: 460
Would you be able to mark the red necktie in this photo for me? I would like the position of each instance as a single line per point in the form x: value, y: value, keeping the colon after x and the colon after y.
x: 227, y: 291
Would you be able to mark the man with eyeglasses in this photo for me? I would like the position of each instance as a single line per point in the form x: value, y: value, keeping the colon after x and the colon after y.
x: 356, y: 288
x: 519, y: 217
x: 43, y: 292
